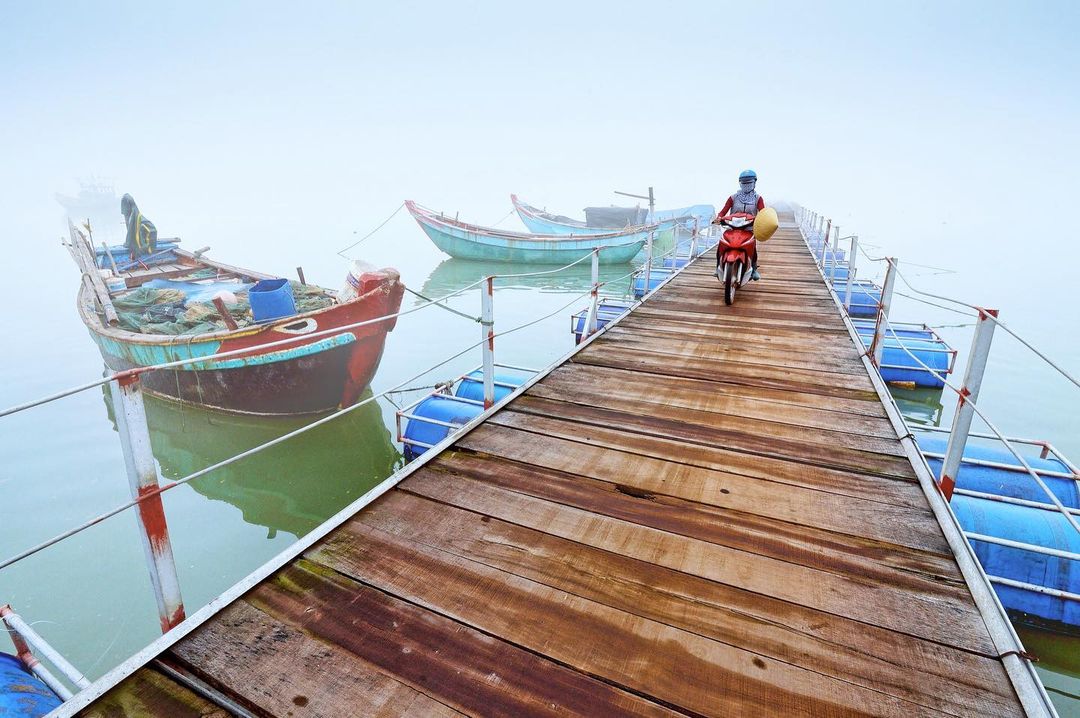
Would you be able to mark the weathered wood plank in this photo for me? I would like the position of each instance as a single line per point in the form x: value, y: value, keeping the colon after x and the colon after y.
x: 427, y: 645
x: 703, y: 396
x: 595, y: 639
x: 280, y: 670
x: 148, y: 693
x: 954, y: 622
x: 926, y: 673
x: 837, y: 457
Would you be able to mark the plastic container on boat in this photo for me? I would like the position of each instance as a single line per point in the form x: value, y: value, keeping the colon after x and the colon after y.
x: 1014, y: 483
x: 1041, y: 527
x: 271, y: 299
x: 472, y: 386
x: 439, y: 407
x: 22, y: 694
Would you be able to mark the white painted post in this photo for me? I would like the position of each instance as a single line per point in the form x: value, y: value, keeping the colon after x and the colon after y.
x: 851, y: 271
x: 594, y: 302
x: 648, y: 264
x: 969, y: 395
x: 832, y: 267
x: 143, y: 480
x: 694, y: 238
x: 487, y: 326
x: 825, y: 244
x: 878, y: 345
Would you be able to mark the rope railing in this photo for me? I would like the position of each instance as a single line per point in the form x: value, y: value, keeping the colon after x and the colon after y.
x: 284, y: 437
x: 280, y: 342
x: 996, y: 320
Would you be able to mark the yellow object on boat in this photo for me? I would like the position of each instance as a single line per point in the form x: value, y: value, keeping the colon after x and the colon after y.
x: 765, y: 223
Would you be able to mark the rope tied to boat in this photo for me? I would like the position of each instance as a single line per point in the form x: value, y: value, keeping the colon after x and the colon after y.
x: 341, y: 252
x: 436, y: 302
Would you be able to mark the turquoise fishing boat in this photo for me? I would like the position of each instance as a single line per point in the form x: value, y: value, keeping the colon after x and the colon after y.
x: 543, y: 222
x: 469, y: 241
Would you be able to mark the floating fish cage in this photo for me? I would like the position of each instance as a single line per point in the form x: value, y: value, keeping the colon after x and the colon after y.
x: 607, y: 310
x: 657, y: 276
x: 898, y: 366
x: 865, y: 296
x: 436, y: 415
x: 1026, y: 546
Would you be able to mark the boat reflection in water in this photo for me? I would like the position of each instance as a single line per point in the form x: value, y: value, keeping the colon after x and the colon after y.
x: 293, y: 486
x: 919, y: 406
x: 453, y: 274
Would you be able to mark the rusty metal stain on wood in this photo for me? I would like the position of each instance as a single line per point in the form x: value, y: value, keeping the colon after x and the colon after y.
x: 705, y: 512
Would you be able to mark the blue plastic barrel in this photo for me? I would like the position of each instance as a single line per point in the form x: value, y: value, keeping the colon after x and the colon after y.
x: 22, y: 694
x: 472, y: 386
x: 606, y: 311
x: 656, y: 277
x: 1003, y: 482
x: 441, y: 408
x: 675, y: 262
x: 898, y: 365
x: 864, y: 327
x: 1040, y: 527
x: 865, y: 297
x: 271, y: 299
x: 840, y: 278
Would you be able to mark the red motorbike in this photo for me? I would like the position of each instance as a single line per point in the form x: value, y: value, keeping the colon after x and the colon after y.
x: 735, y: 252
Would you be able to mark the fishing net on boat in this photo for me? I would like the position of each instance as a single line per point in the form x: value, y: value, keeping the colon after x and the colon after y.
x: 184, y: 310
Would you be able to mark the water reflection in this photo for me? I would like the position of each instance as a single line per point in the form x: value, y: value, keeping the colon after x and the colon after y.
x: 291, y: 487
x: 453, y: 274
x: 919, y: 406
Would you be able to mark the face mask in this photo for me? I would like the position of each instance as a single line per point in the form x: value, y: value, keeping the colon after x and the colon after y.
x: 747, y: 185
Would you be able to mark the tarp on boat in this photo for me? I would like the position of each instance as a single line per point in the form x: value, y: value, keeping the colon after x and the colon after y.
x: 615, y: 216
x: 163, y: 306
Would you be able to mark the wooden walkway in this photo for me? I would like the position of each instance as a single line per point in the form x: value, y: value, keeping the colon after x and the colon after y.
x: 705, y: 512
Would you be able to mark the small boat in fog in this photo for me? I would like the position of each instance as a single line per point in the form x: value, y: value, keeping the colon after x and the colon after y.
x: 606, y: 219
x: 173, y: 305
x: 470, y: 241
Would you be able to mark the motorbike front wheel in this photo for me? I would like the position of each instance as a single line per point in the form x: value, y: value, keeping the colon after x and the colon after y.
x: 730, y: 284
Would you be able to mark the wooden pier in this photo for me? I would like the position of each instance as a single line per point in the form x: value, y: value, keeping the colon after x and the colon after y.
x: 706, y: 511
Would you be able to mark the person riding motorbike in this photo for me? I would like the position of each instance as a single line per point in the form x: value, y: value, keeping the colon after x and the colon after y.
x: 745, y: 200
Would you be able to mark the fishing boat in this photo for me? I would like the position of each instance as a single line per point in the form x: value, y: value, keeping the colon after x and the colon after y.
x: 175, y: 305
x: 607, y: 219
x: 469, y: 241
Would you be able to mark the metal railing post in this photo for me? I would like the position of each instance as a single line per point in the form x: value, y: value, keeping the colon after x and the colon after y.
x: 648, y: 264
x: 878, y: 345
x: 594, y: 302
x: 969, y: 394
x: 851, y: 271
x: 825, y: 243
x: 487, y: 325
x: 25, y: 639
x: 832, y: 267
x: 694, y: 238
x: 143, y: 480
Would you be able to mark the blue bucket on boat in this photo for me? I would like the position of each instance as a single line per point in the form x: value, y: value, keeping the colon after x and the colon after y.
x: 441, y: 408
x: 22, y: 694
x: 271, y: 299
x: 472, y: 386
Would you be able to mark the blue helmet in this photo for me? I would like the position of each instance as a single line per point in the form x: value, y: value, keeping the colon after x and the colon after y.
x: 747, y: 175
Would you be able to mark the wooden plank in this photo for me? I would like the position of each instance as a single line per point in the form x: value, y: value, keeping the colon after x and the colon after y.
x: 476, y: 672
x: 700, y: 395
x: 836, y: 457
x: 744, y: 323
x: 148, y: 693
x: 656, y: 479
x: 948, y: 620
x: 618, y: 646
x: 707, y: 423
x: 279, y: 670
x: 610, y: 354
x: 922, y: 672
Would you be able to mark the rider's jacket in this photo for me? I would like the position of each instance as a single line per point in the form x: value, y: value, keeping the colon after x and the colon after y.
x: 748, y: 202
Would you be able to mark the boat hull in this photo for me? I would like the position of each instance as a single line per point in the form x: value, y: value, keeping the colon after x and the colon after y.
x: 305, y: 377
x: 474, y: 243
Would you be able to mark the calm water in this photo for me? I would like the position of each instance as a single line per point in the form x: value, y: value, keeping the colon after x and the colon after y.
x: 91, y: 596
